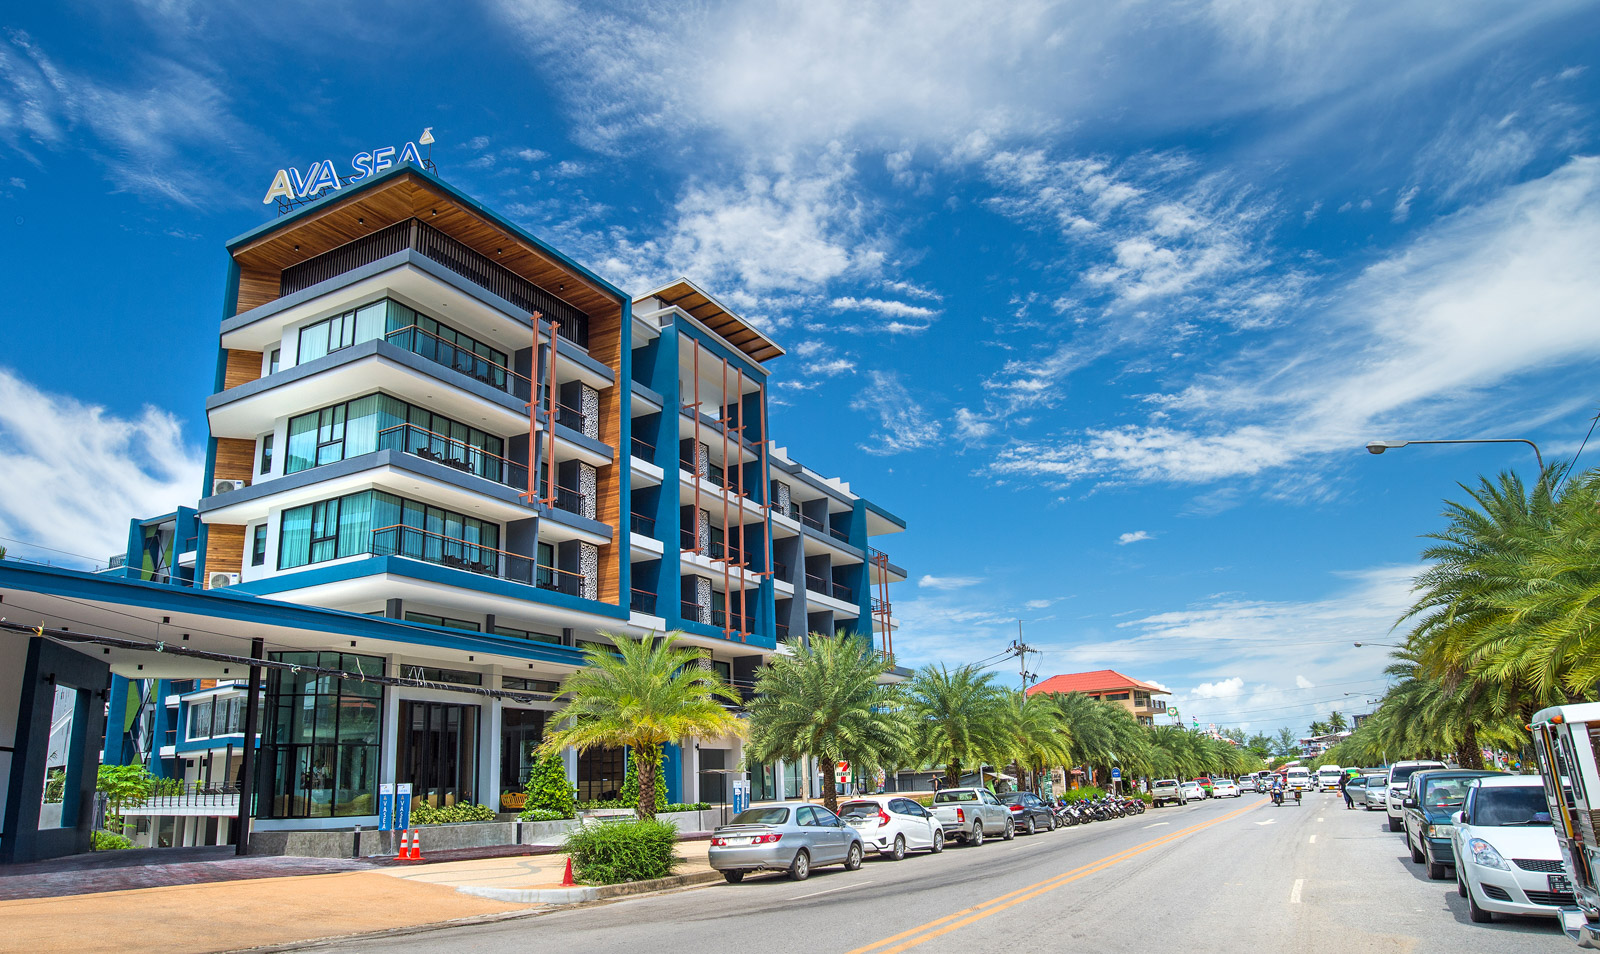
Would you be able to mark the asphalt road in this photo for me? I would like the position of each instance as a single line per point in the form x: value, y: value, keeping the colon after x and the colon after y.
x: 1222, y: 875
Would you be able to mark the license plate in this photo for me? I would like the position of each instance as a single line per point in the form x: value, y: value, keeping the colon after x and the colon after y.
x: 1560, y: 883
x: 856, y: 822
x: 740, y: 841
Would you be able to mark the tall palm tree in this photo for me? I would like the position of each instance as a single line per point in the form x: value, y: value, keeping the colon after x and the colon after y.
x: 1337, y: 721
x: 1036, y: 736
x: 826, y: 701
x: 646, y: 694
x: 958, y: 719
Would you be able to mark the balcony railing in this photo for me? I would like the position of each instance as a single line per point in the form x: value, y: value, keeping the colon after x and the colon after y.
x: 440, y: 550
x: 818, y: 525
x: 816, y: 584
x: 452, y: 254
x: 574, y: 418
x: 780, y: 571
x: 642, y: 601
x: 453, y: 453
x: 223, y: 796
x: 879, y: 606
x: 700, y: 613
x: 782, y: 631
x: 716, y: 550
x: 641, y: 524
x: 644, y: 450
x: 436, y: 349
x: 841, y: 592
x: 570, y: 500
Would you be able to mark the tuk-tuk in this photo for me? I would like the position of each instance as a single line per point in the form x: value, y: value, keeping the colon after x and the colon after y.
x: 1567, y: 740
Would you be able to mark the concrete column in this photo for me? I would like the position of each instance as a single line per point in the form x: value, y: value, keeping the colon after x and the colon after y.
x: 489, y: 745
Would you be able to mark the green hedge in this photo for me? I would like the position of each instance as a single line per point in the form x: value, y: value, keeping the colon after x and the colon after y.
x: 1080, y: 794
x: 541, y: 814
x: 548, y: 789
x: 424, y: 814
x: 622, y: 851
x: 106, y: 841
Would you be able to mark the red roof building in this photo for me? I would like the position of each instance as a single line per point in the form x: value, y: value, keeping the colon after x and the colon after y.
x: 1108, y: 685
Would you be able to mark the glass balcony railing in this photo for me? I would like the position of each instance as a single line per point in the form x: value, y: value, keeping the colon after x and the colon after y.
x: 644, y: 450
x: 436, y: 349
x: 642, y: 601
x: 436, y: 548
x: 455, y: 454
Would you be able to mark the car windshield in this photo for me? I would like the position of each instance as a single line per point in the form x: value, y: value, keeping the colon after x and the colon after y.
x: 762, y: 816
x: 1167, y: 781
x: 1402, y: 772
x: 1014, y: 798
x: 1444, y: 792
x: 944, y: 798
x: 1511, y: 805
x: 858, y: 808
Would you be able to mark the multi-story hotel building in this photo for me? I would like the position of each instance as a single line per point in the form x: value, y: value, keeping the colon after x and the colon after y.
x: 1108, y: 685
x: 467, y: 458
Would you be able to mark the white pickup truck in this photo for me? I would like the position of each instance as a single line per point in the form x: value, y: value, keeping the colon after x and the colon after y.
x: 971, y: 815
x: 1167, y: 791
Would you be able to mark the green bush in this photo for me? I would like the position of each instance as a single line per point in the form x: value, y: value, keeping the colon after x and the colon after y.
x: 548, y: 788
x: 542, y: 814
x: 106, y: 841
x: 424, y: 814
x: 685, y: 807
x: 622, y: 851
x: 1080, y: 794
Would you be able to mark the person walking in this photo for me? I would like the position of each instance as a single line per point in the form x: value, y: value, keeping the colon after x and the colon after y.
x: 1344, y: 789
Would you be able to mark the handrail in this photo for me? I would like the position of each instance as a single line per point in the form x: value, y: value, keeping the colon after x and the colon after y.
x: 508, y: 467
x: 636, y: 521
x: 648, y: 448
x: 477, y: 358
x: 642, y: 600
x: 718, y: 617
x: 821, y: 584
x: 562, y: 410
x: 469, y: 556
x: 780, y: 570
x: 838, y: 588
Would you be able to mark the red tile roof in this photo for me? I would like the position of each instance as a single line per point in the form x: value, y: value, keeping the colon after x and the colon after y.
x: 1101, y: 680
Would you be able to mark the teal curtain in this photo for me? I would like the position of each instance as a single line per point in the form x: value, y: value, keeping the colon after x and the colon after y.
x: 361, y: 426
x: 302, y: 443
x: 294, y: 538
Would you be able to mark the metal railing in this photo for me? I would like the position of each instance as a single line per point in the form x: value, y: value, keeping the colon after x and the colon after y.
x: 417, y: 544
x: 780, y: 570
x: 644, y: 450
x: 220, y: 795
x: 574, y: 418
x: 574, y: 501
x: 700, y: 613
x: 816, y: 584
x: 782, y: 631
x: 452, y: 254
x: 428, y: 345
x: 716, y: 549
x: 642, y: 601
x: 827, y: 528
x: 642, y: 524
x: 453, y: 453
x: 879, y: 606
x: 841, y: 592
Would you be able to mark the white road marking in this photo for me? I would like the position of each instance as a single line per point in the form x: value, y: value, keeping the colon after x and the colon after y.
x: 1313, y: 840
x: 1294, y: 893
x: 1319, y: 819
x: 1157, y: 824
x: 1270, y: 821
x: 813, y: 894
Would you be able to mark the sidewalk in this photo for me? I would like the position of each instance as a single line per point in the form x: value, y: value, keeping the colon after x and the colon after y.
x: 226, y: 916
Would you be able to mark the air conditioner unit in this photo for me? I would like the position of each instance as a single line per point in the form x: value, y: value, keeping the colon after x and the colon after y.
x: 227, y: 486
x: 219, y: 580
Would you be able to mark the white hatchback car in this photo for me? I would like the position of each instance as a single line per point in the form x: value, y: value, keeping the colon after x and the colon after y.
x: 1225, y: 788
x: 1192, y: 791
x: 1507, y: 858
x: 892, y: 824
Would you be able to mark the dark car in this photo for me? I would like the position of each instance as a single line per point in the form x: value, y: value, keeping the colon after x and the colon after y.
x: 1432, y: 797
x: 1029, y: 811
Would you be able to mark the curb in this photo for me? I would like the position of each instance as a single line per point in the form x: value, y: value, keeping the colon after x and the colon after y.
x: 584, y: 893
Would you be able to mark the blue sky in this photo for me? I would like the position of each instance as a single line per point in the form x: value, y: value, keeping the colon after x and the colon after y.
x: 1103, y: 298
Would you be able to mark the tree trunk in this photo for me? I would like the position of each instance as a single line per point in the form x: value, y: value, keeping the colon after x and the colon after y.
x: 1469, y: 755
x: 952, y: 774
x: 646, y: 756
x: 830, y: 787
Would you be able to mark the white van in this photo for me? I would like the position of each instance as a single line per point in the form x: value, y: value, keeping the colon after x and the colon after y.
x: 1297, y: 777
x: 1328, y: 778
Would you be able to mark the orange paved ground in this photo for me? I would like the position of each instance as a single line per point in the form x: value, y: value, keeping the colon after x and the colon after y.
x: 203, y: 918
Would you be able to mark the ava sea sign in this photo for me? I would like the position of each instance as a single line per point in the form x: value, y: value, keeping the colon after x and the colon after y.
x: 402, y: 806
x: 323, y: 175
x: 386, y: 806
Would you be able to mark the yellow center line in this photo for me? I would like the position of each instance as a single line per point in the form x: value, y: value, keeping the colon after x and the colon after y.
x: 950, y: 922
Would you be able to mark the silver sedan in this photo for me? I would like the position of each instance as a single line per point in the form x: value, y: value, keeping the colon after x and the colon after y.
x: 783, y: 836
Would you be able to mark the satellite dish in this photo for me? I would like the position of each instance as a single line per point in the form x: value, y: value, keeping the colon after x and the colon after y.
x: 427, y: 137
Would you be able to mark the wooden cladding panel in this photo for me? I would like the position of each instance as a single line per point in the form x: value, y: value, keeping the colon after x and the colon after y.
x: 411, y: 196
x: 224, y: 549
x: 605, y: 346
x: 236, y: 459
x: 256, y: 288
x: 242, y: 368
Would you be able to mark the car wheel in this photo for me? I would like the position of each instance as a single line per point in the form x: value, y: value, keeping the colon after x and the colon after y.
x: 852, y: 861
x: 976, y: 837
x: 1436, y: 871
x: 897, y: 851
x: 1395, y: 826
x: 1461, y: 886
x: 1050, y: 823
x: 1478, y: 915
x: 938, y: 841
x: 733, y: 877
x: 800, y: 867
x: 1033, y: 828
x: 1009, y: 832
x: 1417, y: 857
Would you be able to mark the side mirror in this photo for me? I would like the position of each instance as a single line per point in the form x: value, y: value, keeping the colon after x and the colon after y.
x: 1459, y: 818
x: 1408, y: 803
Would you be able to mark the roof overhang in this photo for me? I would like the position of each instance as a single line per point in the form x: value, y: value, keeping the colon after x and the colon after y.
x: 706, y: 309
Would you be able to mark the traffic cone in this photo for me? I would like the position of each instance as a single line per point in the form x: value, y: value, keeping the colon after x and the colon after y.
x: 566, y: 879
x: 416, y: 845
x: 405, y: 838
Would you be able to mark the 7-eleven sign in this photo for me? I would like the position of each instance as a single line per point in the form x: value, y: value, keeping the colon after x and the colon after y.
x: 841, y: 773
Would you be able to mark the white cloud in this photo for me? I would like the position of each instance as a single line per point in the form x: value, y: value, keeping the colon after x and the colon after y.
x: 904, y: 424
x: 1301, y: 682
x: 1486, y: 295
x: 1133, y: 536
x: 931, y: 582
x: 1223, y: 689
x: 895, y: 309
x: 830, y: 367
x: 75, y: 474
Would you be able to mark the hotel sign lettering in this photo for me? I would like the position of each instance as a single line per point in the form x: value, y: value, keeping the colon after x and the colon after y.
x: 291, y: 184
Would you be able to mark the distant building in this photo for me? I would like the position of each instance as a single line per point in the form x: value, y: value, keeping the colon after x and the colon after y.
x: 1108, y: 685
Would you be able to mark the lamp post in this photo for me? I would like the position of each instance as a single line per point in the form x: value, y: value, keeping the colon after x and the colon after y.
x: 1378, y: 447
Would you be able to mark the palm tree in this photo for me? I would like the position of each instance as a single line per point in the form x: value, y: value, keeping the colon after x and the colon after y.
x: 1036, y: 736
x: 826, y: 701
x: 647, y: 693
x: 1337, y: 721
x: 1319, y: 728
x: 958, y: 719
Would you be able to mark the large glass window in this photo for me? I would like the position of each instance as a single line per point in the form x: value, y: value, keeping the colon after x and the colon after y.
x: 372, y: 521
x: 439, y: 752
x: 200, y: 719
x: 380, y: 422
x: 600, y: 772
x: 416, y: 332
x: 341, y: 331
x: 521, y: 731
x: 319, y: 738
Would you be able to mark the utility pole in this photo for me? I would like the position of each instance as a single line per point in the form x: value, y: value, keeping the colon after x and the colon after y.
x: 1021, y: 650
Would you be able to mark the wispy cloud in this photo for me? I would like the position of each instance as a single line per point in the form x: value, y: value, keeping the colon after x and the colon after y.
x: 75, y: 473
x: 892, y: 309
x: 1132, y: 536
x: 904, y: 424
x: 931, y: 582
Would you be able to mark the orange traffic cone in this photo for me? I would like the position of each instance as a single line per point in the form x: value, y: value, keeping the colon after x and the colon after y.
x: 566, y: 879
x: 416, y: 845
x: 405, y: 839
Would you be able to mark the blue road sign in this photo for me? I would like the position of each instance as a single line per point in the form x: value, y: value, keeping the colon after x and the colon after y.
x: 402, y: 805
x: 386, y: 806
x: 1116, y: 774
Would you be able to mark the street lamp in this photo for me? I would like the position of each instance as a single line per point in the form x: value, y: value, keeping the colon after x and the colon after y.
x: 1378, y: 447
x: 1385, y: 645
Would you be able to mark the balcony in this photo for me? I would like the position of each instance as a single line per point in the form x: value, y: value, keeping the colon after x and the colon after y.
x: 838, y: 591
x: 465, y: 361
x: 459, y: 258
x: 578, y: 421
x: 642, y: 601
x: 708, y: 615
x: 780, y: 570
x: 452, y: 453
x: 821, y: 527
x: 641, y: 524
x: 436, y: 548
x: 644, y: 450
x: 716, y: 550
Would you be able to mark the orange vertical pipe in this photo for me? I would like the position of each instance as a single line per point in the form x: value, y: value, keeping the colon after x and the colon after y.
x: 727, y: 589
x: 533, y: 411
x: 550, y: 416
x: 744, y: 562
x: 694, y: 451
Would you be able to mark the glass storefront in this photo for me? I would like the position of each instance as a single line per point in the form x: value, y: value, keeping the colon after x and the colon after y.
x: 521, y: 731
x: 600, y: 774
x: 438, y: 750
x: 319, y: 739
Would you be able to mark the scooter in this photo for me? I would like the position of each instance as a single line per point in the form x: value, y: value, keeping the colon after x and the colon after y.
x: 1277, y: 797
x: 1297, y: 796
